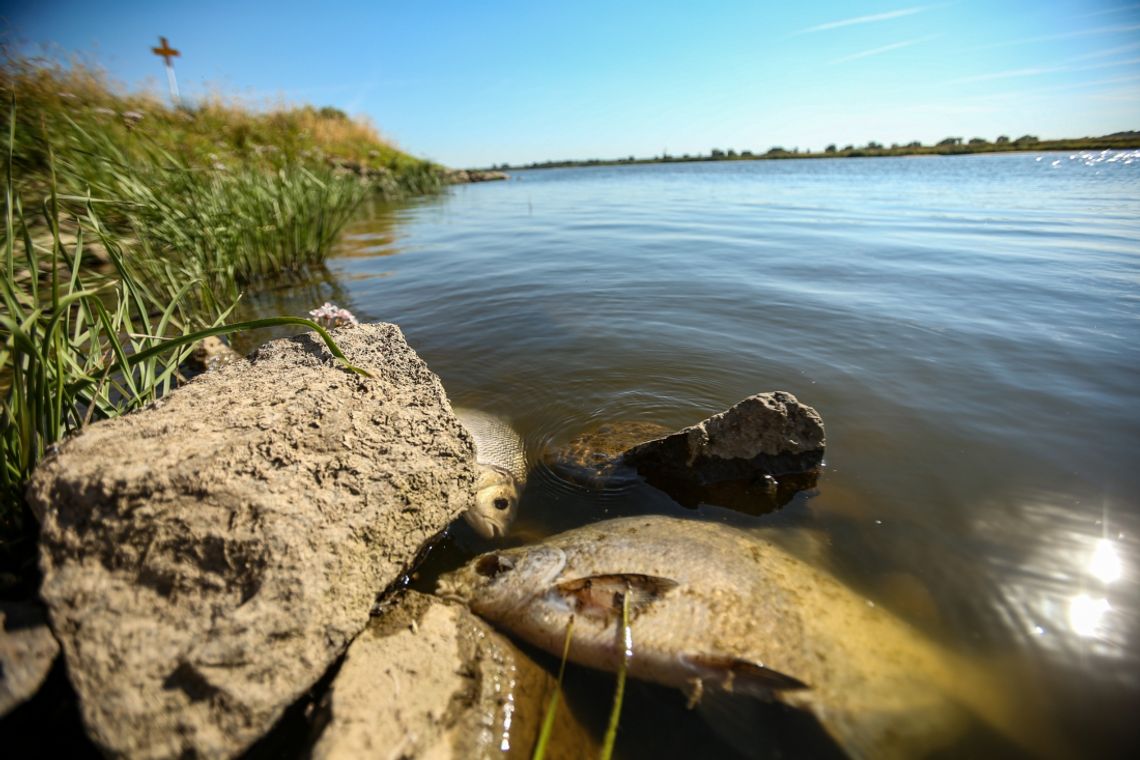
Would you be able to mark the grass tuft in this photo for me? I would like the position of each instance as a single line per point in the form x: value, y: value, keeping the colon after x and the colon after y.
x: 131, y: 229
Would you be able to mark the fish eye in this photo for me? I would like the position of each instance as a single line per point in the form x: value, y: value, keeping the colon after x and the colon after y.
x: 492, y: 565
x: 501, y: 503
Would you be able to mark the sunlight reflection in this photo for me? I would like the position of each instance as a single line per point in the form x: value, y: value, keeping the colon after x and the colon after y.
x: 1070, y: 588
x: 1086, y: 615
x: 1105, y: 565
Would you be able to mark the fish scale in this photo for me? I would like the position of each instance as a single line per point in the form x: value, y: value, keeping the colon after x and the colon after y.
x: 496, y: 442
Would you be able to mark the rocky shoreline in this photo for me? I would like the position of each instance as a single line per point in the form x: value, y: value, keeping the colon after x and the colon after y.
x: 467, y: 176
x: 208, y: 560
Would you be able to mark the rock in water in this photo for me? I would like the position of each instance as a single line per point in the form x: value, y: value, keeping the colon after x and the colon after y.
x: 502, y: 472
x: 753, y: 457
x: 715, y: 608
x: 593, y: 458
x: 769, y: 435
x: 207, y: 559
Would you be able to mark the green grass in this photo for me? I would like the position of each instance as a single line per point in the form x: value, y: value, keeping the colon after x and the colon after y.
x: 552, y: 706
x: 81, y: 345
x: 202, y: 136
x: 130, y: 231
x: 626, y: 643
x: 220, y: 193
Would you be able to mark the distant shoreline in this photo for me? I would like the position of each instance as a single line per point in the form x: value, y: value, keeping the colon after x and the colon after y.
x: 949, y: 147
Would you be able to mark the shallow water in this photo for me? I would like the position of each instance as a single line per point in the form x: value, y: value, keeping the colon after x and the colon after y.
x: 966, y: 326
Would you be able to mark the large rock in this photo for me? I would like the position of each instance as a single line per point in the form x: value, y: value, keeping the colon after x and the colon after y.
x: 761, y: 449
x: 429, y: 679
x: 27, y: 651
x: 205, y: 560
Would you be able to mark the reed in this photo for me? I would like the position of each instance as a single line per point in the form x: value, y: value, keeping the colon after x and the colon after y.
x: 626, y: 643
x: 80, y: 346
x: 130, y: 251
x: 224, y: 193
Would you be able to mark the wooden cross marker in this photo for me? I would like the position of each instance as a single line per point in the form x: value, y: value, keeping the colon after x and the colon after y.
x: 167, y: 53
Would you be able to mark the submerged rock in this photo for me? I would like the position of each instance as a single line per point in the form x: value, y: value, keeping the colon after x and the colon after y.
x: 594, y: 458
x: 429, y: 679
x: 205, y: 560
x: 27, y: 651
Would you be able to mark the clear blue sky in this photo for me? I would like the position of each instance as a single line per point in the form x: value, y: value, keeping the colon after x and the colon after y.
x: 475, y: 83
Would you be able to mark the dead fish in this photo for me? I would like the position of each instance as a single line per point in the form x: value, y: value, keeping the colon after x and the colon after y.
x: 501, y: 461
x: 717, y: 609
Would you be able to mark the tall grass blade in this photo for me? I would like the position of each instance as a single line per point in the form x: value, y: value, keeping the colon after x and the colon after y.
x: 619, y: 690
x: 552, y: 705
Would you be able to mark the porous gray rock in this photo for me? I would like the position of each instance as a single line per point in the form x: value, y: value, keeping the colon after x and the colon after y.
x: 429, y: 679
x: 758, y: 443
x: 27, y: 651
x: 205, y: 560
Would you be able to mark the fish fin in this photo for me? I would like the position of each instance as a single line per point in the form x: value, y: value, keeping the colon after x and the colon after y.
x: 599, y: 597
x: 736, y: 674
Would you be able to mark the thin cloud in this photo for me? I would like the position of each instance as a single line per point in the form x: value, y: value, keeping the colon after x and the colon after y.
x: 1049, y: 89
x: 1038, y: 70
x: 361, y: 95
x: 1064, y: 35
x: 1106, y: 52
x: 866, y: 19
x: 1106, y: 11
x: 881, y: 50
x: 1126, y: 96
x: 1026, y: 72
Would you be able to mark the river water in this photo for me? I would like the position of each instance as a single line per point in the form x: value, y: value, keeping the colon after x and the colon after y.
x: 968, y: 327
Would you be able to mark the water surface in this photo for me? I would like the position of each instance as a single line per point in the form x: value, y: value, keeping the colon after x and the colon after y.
x: 966, y: 326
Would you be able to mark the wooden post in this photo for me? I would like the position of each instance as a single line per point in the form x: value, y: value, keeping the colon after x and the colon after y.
x: 167, y: 53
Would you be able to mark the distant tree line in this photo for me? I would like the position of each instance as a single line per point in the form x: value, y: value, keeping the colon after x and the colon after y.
x: 945, y: 146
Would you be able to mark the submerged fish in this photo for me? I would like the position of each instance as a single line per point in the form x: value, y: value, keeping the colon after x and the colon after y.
x: 716, y: 609
x: 501, y: 463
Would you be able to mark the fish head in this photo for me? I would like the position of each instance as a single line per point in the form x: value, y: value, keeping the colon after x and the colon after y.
x: 498, y: 583
x: 496, y: 502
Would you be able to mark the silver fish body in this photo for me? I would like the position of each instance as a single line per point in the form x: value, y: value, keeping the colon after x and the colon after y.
x: 501, y: 460
x: 715, y: 608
